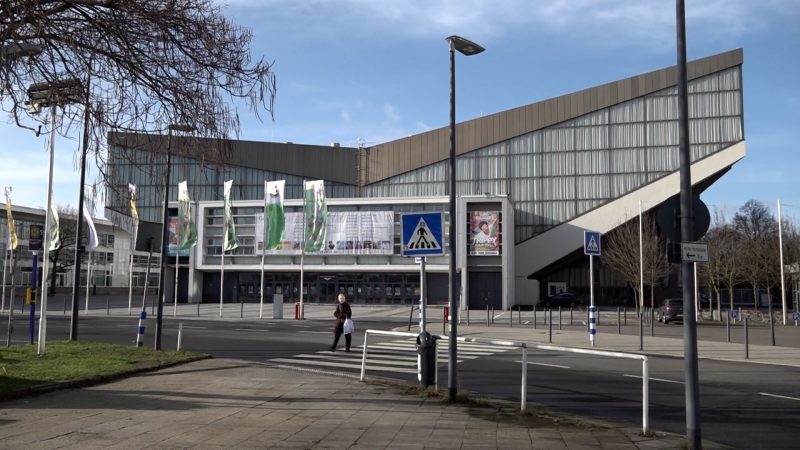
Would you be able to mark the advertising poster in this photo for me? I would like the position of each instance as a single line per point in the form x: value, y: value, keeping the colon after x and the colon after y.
x: 172, y: 243
x: 348, y: 233
x: 484, y: 233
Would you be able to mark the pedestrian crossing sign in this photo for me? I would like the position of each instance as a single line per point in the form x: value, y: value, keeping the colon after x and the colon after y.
x: 591, y: 243
x: 421, y: 234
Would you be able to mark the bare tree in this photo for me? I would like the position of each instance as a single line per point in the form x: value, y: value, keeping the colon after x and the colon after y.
x: 759, y: 230
x: 141, y: 65
x: 725, y: 258
x: 622, y: 255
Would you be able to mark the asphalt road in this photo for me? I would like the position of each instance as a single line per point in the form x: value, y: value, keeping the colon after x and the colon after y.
x: 744, y: 405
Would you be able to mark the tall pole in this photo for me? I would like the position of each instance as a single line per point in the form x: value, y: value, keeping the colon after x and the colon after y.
x: 641, y: 282
x: 164, y: 243
x: 692, y: 387
x: 42, y: 341
x: 452, y: 369
x: 177, y: 255
x: 780, y: 245
x: 73, y: 331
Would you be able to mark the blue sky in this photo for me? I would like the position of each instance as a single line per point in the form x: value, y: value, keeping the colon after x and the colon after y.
x: 377, y: 70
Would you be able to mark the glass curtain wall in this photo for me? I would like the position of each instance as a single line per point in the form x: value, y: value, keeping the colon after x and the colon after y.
x: 557, y: 173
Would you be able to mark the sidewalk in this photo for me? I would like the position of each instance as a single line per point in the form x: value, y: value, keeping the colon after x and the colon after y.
x: 219, y: 403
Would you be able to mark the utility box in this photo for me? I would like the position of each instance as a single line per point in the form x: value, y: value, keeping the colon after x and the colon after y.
x: 277, y: 306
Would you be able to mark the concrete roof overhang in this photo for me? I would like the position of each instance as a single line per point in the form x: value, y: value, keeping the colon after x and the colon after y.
x: 559, y: 242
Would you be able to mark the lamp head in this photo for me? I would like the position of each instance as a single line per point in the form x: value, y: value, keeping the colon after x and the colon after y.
x: 464, y: 46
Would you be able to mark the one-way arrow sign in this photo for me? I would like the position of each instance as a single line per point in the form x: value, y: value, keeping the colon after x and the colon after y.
x: 694, y: 252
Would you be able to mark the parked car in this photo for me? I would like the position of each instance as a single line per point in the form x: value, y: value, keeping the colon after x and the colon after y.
x: 670, y: 310
x: 565, y: 299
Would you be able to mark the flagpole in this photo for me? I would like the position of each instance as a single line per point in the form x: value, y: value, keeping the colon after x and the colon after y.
x: 303, y: 254
x: 130, y: 284
x: 11, y: 300
x: 222, y: 274
x: 5, y: 265
x: 177, y: 254
x: 88, y: 278
x: 263, y: 253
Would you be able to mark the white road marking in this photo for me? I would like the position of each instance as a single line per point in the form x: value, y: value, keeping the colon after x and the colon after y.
x: 249, y: 329
x: 655, y: 379
x: 356, y: 365
x: 779, y: 396
x: 194, y: 328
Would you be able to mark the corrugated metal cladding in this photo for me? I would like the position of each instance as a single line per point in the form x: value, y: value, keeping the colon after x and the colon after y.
x: 309, y: 161
x: 396, y: 157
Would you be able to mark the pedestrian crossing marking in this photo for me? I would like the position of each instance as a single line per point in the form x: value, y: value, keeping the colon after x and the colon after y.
x: 422, y: 238
x: 592, y: 245
x: 398, y: 356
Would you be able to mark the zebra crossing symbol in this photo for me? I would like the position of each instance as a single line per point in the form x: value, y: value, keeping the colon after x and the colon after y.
x: 591, y: 242
x: 422, y: 234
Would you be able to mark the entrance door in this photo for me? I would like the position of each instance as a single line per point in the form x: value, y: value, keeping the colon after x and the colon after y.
x: 485, y: 289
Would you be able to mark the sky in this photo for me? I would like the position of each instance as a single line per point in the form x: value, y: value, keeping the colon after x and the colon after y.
x: 371, y: 71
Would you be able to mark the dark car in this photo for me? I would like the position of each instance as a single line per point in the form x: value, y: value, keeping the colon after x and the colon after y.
x: 670, y: 310
x: 565, y: 299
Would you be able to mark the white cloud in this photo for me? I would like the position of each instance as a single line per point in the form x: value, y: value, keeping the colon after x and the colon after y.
x: 345, y: 115
x: 391, y: 113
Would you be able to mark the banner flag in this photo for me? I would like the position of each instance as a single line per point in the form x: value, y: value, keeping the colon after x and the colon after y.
x: 186, y: 229
x: 88, y: 209
x: 55, y: 234
x: 315, y: 211
x: 134, y: 216
x: 229, y: 241
x: 11, y: 242
x: 273, y: 212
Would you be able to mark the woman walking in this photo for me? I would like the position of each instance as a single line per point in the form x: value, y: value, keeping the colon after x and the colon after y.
x: 342, y: 313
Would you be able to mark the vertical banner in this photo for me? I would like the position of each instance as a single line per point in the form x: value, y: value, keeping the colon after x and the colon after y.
x: 229, y: 241
x: 134, y: 216
x: 55, y: 234
x: 186, y: 231
x: 315, y: 211
x: 12, y: 235
x: 274, y: 218
x: 88, y: 210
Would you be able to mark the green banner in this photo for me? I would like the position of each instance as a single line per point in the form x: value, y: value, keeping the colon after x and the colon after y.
x: 187, y: 234
x: 315, y: 212
x: 275, y: 219
x: 229, y: 241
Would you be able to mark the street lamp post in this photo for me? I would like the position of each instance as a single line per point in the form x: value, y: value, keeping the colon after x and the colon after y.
x: 467, y: 48
x: 43, y: 95
x: 164, y: 233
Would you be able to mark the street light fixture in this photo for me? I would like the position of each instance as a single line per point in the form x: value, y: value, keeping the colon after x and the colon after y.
x: 164, y: 234
x: 466, y: 48
x: 52, y: 94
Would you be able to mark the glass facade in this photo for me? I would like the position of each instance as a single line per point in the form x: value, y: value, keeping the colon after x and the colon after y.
x: 146, y: 170
x: 557, y: 173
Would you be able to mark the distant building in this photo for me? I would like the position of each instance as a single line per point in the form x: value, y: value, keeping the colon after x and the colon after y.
x: 110, y: 260
x: 544, y: 173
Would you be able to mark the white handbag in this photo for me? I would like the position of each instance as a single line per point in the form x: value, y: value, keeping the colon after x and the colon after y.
x: 348, y: 326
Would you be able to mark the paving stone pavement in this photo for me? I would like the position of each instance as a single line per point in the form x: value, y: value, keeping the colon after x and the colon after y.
x: 224, y: 403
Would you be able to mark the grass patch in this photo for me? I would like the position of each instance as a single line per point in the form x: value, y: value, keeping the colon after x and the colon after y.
x: 22, y: 369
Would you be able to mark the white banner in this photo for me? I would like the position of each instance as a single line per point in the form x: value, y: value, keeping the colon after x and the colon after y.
x: 349, y: 233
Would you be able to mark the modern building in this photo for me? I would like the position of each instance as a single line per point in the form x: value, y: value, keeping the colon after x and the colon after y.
x: 539, y: 175
x: 109, y: 261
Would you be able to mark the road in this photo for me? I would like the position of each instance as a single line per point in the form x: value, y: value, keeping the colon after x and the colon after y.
x: 744, y: 405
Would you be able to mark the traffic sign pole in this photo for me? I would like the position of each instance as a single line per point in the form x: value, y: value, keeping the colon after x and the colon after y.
x: 592, y: 309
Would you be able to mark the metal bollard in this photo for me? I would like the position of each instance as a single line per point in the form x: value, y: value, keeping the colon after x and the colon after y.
x: 198, y: 309
x: 468, y: 316
x: 487, y: 316
x: 652, y: 331
x: 64, y: 304
x: 108, y: 309
x: 492, y: 314
x: 511, y: 318
x: 180, y: 334
x: 570, y: 315
x: 241, y: 310
x: 619, y: 321
x: 550, y: 327
x: 772, y: 329
x: 728, y: 328
x: 746, y: 341
x: 559, y: 318
x: 534, y: 317
x: 625, y: 314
